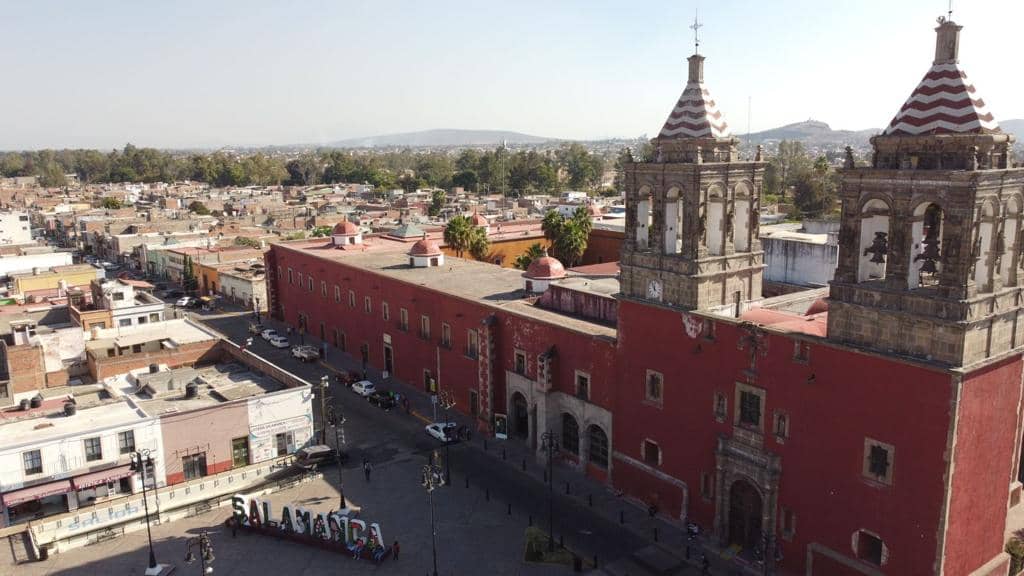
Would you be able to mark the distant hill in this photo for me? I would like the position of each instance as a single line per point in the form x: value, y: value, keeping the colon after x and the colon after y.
x: 1013, y: 126
x: 814, y: 132
x: 444, y: 137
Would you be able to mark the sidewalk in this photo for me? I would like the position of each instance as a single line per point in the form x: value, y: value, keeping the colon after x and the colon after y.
x: 668, y: 553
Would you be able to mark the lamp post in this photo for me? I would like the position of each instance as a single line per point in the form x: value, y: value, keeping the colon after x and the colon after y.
x: 205, y: 551
x: 339, y: 440
x: 140, y: 461
x: 324, y: 382
x: 432, y: 478
x: 446, y: 400
x: 550, y: 443
x: 256, y: 311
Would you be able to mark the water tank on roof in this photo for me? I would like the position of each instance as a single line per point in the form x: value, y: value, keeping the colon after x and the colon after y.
x: 37, y: 401
x: 24, y: 404
x: 154, y: 368
x: 191, y: 390
x: 70, y: 408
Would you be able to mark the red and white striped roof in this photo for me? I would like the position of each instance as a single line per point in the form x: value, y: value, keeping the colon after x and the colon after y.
x: 945, y: 102
x: 695, y: 116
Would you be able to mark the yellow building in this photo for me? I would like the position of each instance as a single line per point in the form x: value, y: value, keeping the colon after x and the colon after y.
x: 48, y: 282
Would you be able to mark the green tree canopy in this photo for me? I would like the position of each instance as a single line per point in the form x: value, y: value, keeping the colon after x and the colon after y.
x: 197, y: 207
x: 524, y: 260
x: 110, y: 203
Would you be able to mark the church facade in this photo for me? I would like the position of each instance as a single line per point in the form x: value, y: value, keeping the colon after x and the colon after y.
x: 871, y: 428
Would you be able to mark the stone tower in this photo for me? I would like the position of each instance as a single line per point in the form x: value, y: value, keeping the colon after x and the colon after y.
x: 692, y: 211
x: 931, y: 231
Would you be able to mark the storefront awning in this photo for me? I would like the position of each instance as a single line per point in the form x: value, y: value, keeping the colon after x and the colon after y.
x: 102, y: 477
x: 16, y: 497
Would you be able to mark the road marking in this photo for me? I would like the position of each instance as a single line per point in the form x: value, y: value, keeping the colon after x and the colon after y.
x: 421, y: 416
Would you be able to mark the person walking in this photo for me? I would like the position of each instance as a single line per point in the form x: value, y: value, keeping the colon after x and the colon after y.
x: 395, y: 549
x: 705, y: 565
x: 367, y: 468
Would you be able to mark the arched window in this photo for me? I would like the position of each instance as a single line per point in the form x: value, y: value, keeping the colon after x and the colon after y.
x: 598, y: 446
x: 926, y: 260
x: 1009, y: 239
x: 673, y: 221
x: 741, y: 223
x: 873, y: 250
x: 570, y: 434
x: 643, y: 217
x: 716, y: 221
x: 983, y: 249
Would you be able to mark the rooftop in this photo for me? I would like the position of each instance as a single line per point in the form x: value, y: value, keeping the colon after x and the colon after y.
x: 165, y: 392
x: 175, y: 332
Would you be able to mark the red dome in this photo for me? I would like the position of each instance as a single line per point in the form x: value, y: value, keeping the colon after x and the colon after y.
x: 820, y: 305
x: 425, y: 247
x: 479, y: 220
x: 545, y: 268
x: 345, y: 228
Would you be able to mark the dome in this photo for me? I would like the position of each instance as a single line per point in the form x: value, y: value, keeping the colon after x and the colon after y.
x: 545, y: 268
x: 425, y: 247
x: 345, y: 228
x: 479, y: 220
x: 820, y: 305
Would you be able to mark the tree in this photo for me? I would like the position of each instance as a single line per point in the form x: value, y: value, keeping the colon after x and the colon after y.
x: 246, y: 241
x: 479, y: 244
x: 197, y: 207
x: 584, y: 169
x: 321, y: 231
x: 568, y: 236
x: 110, y: 203
x: 466, y: 179
x: 437, y: 201
x: 815, y: 188
x: 189, y: 283
x: 458, y: 234
x: 524, y: 260
x: 790, y: 161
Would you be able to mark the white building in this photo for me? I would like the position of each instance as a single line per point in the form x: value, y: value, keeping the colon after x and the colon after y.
x: 799, y: 256
x: 15, y: 228
x: 29, y: 262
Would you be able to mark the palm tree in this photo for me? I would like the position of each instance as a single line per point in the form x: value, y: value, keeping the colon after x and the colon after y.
x: 568, y: 236
x: 479, y: 245
x: 524, y: 260
x: 458, y: 234
x: 552, y: 225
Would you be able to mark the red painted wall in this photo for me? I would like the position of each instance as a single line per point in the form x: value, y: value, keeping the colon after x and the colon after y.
x: 982, y: 460
x: 210, y: 430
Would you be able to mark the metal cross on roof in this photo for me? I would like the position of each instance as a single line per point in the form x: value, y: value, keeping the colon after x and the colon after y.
x: 696, y: 26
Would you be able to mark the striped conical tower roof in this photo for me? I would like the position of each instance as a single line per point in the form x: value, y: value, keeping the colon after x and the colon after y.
x: 945, y: 102
x: 695, y: 114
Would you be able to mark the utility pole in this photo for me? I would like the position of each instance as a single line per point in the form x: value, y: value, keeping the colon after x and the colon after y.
x: 323, y: 408
x: 432, y: 478
x: 550, y: 443
x: 339, y: 441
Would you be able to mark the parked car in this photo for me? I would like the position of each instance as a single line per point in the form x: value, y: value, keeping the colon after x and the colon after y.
x: 184, y: 301
x: 382, y: 400
x: 306, y: 353
x: 268, y: 334
x: 364, y: 387
x: 256, y: 328
x: 279, y: 342
x: 318, y: 455
x: 443, y: 431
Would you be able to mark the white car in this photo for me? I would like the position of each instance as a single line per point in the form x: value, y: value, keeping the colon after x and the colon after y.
x: 443, y: 431
x: 268, y: 334
x: 183, y: 302
x: 364, y: 387
x: 279, y: 342
x: 306, y: 353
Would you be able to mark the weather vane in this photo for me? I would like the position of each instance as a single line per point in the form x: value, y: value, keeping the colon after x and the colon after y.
x: 696, y: 26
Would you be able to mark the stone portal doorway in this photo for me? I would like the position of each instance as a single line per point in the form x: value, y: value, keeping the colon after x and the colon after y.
x: 520, y: 417
x: 744, y: 515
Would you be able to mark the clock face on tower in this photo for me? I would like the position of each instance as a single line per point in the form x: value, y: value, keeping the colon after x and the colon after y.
x: 654, y: 290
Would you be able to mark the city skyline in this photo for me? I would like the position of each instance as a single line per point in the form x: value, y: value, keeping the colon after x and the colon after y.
x: 258, y: 74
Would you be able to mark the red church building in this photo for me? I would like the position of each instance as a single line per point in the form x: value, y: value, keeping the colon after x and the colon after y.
x: 873, y: 427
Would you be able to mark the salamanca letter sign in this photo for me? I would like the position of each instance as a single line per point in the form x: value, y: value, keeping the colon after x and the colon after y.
x: 336, y: 527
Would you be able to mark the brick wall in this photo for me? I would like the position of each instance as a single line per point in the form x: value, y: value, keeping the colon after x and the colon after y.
x: 187, y: 355
x: 26, y: 368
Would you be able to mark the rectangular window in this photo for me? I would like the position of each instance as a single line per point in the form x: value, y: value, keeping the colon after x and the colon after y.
x: 141, y: 320
x: 520, y: 363
x: 299, y: 279
x: 385, y: 311
x: 124, y: 322
x: 652, y: 453
x: 474, y: 403
x: 425, y: 327
x: 337, y: 294
x: 472, y: 343
x: 653, y: 384
x: 870, y: 548
x: 309, y: 284
x: 446, y: 335
x: 342, y: 342
x: 117, y: 296
x: 781, y: 426
x: 582, y: 385
x: 240, y: 452
x: 721, y: 407
x: 801, y: 351
x: 194, y: 466
x: 878, y: 460
x: 750, y: 409
x: 707, y: 486
x: 5, y: 392
x: 290, y: 277
x: 33, y: 460
x: 93, y: 449
x: 323, y: 289
x: 136, y: 348
x: 280, y: 272
x: 708, y: 329
x: 126, y: 442
x: 367, y: 305
x: 154, y: 317
x: 285, y: 443
x: 403, y: 320
x: 351, y: 299
x: 788, y: 523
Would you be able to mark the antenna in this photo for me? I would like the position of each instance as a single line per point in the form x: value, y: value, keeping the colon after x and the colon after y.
x: 748, y: 119
x: 949, y: 14
x: 696, y: 26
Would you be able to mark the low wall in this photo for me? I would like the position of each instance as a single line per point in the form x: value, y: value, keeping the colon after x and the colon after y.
x: 115, y: 517
x: 232, y: 351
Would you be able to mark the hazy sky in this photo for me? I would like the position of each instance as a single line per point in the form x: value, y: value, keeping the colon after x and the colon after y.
x: 90, y: 73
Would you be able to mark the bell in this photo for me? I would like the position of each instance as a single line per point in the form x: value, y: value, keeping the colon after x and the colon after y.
x: 878, y: 258
x: 928, y: 266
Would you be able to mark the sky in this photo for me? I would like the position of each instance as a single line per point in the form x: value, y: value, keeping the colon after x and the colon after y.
x: 213, y: 73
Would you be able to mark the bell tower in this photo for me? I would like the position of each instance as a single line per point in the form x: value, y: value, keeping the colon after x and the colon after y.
x: 930, y: 237
x: 692, y: 211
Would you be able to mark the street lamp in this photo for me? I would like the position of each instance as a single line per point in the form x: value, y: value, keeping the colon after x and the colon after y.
x: 324, y: 382
x: 140, y: 461
x: 549, y: 441
x: 256, y: 308
x: 339, y: 440
x: 205, y: 551
x: 432, y: 478
x: 447, y: 400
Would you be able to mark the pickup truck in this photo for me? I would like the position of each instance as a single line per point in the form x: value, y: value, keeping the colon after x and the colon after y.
x: 306, y: 353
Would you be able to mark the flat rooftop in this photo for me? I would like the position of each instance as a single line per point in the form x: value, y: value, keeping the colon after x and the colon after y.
x: 215, y: 385
x: 49, y: 421
x: 176, y: 332
x: 482, y: 282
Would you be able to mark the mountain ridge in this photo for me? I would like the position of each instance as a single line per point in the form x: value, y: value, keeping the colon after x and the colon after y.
x: 442, y: 137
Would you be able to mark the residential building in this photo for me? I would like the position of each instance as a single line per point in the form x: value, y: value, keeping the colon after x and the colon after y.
x: 15, y: 228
